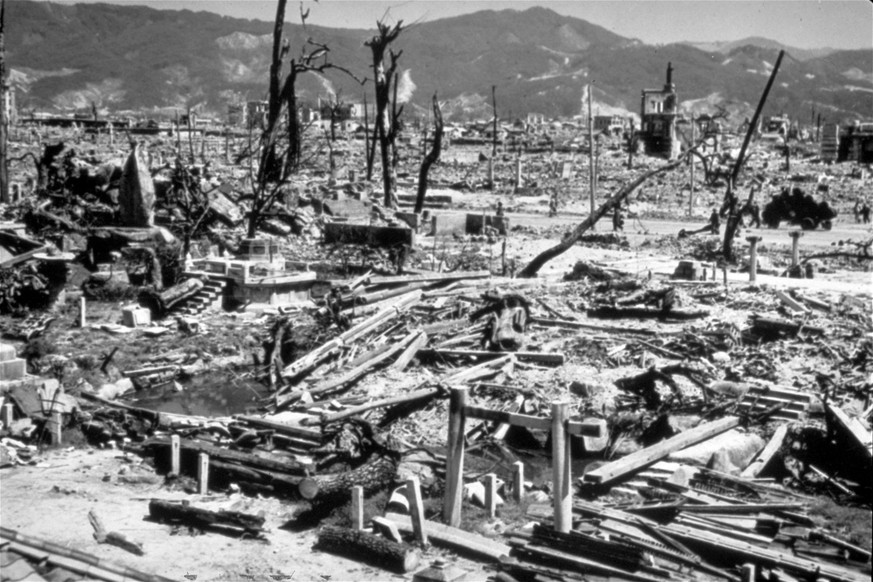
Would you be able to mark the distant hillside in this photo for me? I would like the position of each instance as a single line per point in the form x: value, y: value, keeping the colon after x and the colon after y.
x: 128, y: 58
x: 727, y: 46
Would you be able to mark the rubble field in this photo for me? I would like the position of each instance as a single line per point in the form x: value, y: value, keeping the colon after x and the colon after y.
x: 331, y: 388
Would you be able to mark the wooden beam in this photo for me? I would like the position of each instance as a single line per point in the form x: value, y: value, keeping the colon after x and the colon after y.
x: 453, y: 276
x: 626, y: 465
x: 767, y: 453
x: 357, y: 508
x: 416, y: 509
x: 508, y: 417
x: 404, y: 358
x: 853, y: 429
x: 455, y: 457
x: 562, y: 489
x: 550, y: 359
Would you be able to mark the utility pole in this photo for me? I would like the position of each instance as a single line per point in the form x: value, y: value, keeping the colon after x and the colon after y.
x: 493, y: 139
x: 591, y: 177
x: 691, y: 197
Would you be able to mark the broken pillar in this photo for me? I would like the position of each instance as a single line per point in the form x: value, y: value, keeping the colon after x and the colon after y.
x: 753, y: 257
x: 137, y: 195
x: 11, y: 368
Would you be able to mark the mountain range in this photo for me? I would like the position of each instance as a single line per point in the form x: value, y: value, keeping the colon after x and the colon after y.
x: 66, y: 57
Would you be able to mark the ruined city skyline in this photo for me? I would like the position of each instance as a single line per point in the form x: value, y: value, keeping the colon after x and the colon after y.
x: 805, y: 24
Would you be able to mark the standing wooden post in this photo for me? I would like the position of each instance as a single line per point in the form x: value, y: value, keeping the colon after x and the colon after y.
x: 691, y: 195
x: 561, y: 487
x: 82, y: 308
x: 491, y: 494
x: 455, y: 457
x: 753, y: 257
x: 57, y: 428
x: 630, y: 145
x: 8, y: 414
x: 175, y: 450
x: 748, y: 572
x: 416, y: 509
x: 203, y: 474
x: 795, y: 247
x: 357, y: 508
x: 518, y: 481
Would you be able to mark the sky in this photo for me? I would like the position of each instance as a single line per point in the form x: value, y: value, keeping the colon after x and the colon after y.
x: 843, y: 24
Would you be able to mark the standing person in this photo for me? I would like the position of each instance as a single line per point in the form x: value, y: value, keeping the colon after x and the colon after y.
x: 499, y: 208
x: 865, y: 213
x: 618, y: 218
x: 857, y: 210
x: 714, y: 222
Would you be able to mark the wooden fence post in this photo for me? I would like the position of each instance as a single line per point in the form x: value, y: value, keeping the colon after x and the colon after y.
x: 175, y: 450
x: 357, y: 507
x: 203, y: 474
x: 518, y: 481
x: 561, y: 487
x: 455, y: 457
x: 416, y: 509
x: 491, y: 494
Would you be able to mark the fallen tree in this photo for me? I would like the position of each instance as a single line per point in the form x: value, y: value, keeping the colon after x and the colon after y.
x: 571, y: 239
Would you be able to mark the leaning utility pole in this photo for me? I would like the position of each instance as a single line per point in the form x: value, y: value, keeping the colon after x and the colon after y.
x: 4, y: 121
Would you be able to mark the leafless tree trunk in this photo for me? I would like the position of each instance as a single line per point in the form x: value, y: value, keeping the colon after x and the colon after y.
x: 383, y: 77
x: 537, y: 263
x: 431, y: 157
x: 4, y: 122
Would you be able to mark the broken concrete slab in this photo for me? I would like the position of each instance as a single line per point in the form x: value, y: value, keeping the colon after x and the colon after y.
x: 376, y: 236
x: 137, y: 197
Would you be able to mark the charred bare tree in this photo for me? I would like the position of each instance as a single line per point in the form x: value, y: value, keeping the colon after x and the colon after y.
x: 385, y: 132
x: 276, y: 166
x: 4, y: 121
x: 431, y: 158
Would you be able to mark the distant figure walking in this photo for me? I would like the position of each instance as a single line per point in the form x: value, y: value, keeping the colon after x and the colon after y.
x: 857, y: 210
x: 714, y: 222
x: 865, y: 213
x: 618, y: 219
x: 499, y: 208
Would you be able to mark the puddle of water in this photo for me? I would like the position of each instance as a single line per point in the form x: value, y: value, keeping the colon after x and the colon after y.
x: 214, y: 394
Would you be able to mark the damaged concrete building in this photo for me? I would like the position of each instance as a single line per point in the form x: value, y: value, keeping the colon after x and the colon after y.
x: 659, y: 111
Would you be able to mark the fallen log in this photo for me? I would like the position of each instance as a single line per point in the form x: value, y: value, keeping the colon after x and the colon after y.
x: 374, y: 550
x: 245, y: 459
x: 770, y: 325
x: 461, y: 541
x: 312, y: 434
x: 571, y: 239
x: 184, y: 514
x: 611, y: 312
x: 374, y: 475
x: 626, y: 465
